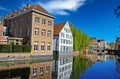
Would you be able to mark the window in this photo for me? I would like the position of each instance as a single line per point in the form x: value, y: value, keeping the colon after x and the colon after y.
x: 61, y: 62
x: 47, y: 69
x: 36, y: 46
x: 49, y: 33
x: 4, y: 33
x: 19, y: 32
x: 67, y: 36
x: 20, y: 22
x: 64, y: 41
x: 28, y: 19
x: 17, y: 42
x: 61, y: 76
x: 62, y: 34
x: 42, y: 46
x: 34, y: 71
x: 49, y: 23
x: 14, y: 23
x: 41, y: 71
x: 36, y: 31
x: 27, y: 31
x: 37, y: 19
x: 61, y: 48
x: 15, y: 33
x: 64, y: 29
x: 43, y: 32
x: 48, y: 46
x: 43, y: 21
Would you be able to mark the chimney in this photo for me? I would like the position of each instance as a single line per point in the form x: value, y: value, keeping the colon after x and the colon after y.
x: 19, y: 12
x: 24, y: 8
x: 29, y: 5
x: 14, y: 11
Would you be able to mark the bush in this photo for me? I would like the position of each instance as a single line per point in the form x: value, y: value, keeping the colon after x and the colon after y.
x: 27, y: 48
x: 17, y: 48
x: 6, y: 48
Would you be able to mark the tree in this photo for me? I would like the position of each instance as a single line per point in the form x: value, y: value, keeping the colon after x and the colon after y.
x: 112, y: 45
x: 117, y: 11
x: 80, y: 39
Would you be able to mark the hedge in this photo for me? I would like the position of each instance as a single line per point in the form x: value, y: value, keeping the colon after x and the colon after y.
x: 5, y: 48
x: 27, y: 48
x: 18, y: 48
x: 15, y: 48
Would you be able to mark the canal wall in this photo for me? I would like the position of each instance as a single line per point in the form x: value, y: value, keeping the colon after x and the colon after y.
x: 22, y: 57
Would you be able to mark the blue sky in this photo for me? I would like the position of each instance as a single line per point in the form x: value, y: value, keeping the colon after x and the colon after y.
x: 94, y: 17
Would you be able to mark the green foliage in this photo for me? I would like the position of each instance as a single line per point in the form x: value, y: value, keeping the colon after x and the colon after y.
x: 27, y: 48
x: 112, y: 45
x: 5, y: 48
x: 80, y: 39
x: 117, y: 11
x: 80, y: 65
x: 15, y: 48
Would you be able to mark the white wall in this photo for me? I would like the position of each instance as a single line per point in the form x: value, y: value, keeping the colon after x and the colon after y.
x: 67, y: 36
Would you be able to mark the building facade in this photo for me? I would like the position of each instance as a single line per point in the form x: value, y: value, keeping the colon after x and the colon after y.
x: 99, y: 45
x: 62, y: 67
x: 63, y: 50
x: 38, y: 70
x: 35, y: 25
x: 3, y: 37
x: 117, y: 46
x: 63, y: 39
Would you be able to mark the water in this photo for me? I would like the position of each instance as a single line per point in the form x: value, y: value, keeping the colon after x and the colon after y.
x: 103, y: 70
x: 65, y: 67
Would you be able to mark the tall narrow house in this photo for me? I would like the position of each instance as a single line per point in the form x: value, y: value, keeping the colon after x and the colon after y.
x: 35, y: 25
x: 63, y: 39
x: 63, y: 51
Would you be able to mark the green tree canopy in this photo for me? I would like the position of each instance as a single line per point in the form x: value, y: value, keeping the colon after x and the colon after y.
x: 80, y: 39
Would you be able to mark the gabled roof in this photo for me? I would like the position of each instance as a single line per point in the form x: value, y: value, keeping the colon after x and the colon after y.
x: 28, y: 8
x: 39, y: 8
x: 58, y: 28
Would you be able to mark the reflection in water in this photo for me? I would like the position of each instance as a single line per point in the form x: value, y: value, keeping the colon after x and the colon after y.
x: 106, y: 69
x: 15, y: 73
x: 62, y: 67
x: 39, y: 70
x: 79, y: 67
x: 118, y: 65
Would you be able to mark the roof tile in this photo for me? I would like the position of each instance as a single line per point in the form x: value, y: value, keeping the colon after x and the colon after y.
x: 58, y: 28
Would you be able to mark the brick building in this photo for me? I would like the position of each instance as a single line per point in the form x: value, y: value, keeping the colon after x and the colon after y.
x: 35, y: 25
x: 3, y: 38
x: 117, y: 46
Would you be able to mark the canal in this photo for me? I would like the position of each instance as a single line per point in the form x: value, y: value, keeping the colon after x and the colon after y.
x: 108, y: 69
x: 65, y: 67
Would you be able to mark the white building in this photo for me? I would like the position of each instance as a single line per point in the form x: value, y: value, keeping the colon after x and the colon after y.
x: 63, y: 39
x: 63, y: 51
x: 62, y: 67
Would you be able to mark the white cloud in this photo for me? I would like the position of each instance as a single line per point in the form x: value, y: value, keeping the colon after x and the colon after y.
x: 61, y: 7
x: 58, y: 7
x: 5, y: 9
